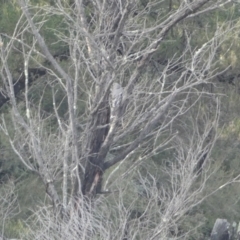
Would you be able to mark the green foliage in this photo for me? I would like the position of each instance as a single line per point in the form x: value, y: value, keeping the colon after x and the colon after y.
x: 15, y: 228
x: 225, y: 155
x: 52, y: 29
x: 31, y: 193
x: 9, y: 162
x: 10, y: 13
x: 197, y: 225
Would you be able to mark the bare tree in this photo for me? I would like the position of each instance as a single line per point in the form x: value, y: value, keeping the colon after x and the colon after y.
x: 122, y: 107
x: 8, y: 205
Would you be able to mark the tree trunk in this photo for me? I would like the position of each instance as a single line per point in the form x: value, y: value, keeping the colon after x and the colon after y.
x: 94, y: 166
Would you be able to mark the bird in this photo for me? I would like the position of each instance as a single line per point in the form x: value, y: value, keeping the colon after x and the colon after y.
x: 116, y: 98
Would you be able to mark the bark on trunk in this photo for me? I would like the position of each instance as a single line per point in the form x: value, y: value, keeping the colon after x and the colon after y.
x: 94, y: 167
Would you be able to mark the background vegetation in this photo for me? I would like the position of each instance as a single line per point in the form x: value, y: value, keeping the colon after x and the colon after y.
x: 26, y: 190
